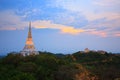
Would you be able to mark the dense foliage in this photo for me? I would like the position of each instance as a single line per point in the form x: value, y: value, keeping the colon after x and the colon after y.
x: 49, y: 66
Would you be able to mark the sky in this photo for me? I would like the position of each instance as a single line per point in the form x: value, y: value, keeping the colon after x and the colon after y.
x: 60, y: 26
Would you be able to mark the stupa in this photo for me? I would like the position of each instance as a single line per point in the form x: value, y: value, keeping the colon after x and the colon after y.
x: 29, y: 48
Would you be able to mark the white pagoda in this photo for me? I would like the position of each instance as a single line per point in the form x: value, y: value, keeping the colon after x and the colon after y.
x: 29, y: 48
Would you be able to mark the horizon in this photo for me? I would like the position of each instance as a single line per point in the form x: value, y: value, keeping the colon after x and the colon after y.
x: 18, y: 52
x: 60, y: 26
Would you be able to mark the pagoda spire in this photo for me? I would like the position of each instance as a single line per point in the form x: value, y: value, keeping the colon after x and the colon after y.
x: 29, y: 48
x: 29, y: 32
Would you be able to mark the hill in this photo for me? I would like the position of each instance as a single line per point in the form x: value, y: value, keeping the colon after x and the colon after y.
x: 49, y: 66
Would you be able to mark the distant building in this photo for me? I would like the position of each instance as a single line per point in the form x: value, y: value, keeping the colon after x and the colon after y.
x: 98, y: 51
x: 29, y: 48
x: 86, y: 50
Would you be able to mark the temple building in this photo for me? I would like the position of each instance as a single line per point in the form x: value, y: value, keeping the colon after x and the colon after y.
x: 86, y: 50
x: 29, y: 48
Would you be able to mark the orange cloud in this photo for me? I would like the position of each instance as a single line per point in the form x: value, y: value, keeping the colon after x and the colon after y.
x: 62, y: 28
x: 67, y: 29
x: 72, y: 30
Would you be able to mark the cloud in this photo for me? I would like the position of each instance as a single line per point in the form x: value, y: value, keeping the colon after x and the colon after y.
x: 72, y: 30
x: 72, y: 5
x: 7, y: 28
x: 99, y: 33
x: 28, y: 12
x: 10, y: 21
x: 117, y: 35
x: 107, y: 2
x: 62, y: 28
x: 104, y: 27
x: 92, y: 28
x: 90, y: 8
x: 107, y: 15
x: 103, y: 16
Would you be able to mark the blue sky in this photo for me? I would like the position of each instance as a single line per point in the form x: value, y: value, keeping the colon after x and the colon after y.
x: 60, y: 26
